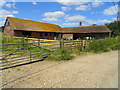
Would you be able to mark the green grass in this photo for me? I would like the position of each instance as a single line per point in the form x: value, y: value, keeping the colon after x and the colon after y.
x: 8, y: 40
x: 103, y: 45
x: 77, y: 50
x: 0, y: 37
x: 60, y: 54
x: 96, y: 46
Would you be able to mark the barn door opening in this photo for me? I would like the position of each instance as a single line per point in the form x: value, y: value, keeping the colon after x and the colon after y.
x: 26, y: 34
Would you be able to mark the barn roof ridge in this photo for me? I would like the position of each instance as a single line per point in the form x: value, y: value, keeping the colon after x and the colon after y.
x: 84, y: 26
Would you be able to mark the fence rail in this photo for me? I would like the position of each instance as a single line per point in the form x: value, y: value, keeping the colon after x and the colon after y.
x: 15, y: 54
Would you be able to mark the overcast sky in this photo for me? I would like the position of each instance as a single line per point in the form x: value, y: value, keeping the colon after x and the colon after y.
x: 65, y: 14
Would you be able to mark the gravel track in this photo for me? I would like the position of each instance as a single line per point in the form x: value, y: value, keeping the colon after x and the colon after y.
x: 85, y: 71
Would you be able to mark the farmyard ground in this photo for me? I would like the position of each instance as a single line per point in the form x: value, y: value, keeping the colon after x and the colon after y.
x: 86, y: 71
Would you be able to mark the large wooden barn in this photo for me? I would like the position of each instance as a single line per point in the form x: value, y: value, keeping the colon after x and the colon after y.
x: 84, y: 32
x: 21, y: 27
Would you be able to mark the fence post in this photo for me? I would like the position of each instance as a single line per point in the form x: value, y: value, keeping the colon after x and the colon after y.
x: 61, y: 43
x: 83, y: 44
x: 23, y: 41
x: 79, y: 45
x: 38, y: 42
x: 30, y: 52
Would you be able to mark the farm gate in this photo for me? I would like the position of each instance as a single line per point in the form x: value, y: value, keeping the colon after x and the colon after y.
x: 17, y: 54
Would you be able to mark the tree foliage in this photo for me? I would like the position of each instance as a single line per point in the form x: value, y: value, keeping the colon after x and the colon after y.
x: 1, y: 28
x: 93, y: 24
x: 114, y: 27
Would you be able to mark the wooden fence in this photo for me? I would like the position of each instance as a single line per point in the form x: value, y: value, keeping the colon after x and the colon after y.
x: 16, y: 54
x: 70, y: 44
x: 79, y: 44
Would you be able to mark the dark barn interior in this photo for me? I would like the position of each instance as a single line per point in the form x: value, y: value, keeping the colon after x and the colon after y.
x: 90, y: 35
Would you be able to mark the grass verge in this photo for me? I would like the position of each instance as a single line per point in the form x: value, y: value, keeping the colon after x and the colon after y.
x: 103, y: 45
x: 60, y: 54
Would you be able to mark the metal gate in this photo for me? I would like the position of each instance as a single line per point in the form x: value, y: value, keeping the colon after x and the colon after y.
x: 16, y: 54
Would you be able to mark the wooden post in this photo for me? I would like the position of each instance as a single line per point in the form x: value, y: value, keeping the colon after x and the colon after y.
x: 23, y: 41
x: 38, y: 42
x: 83, y: 44
x: 61, y: 43
x: 30, y: 53
x: 75, y: 44
x: 110, y: 34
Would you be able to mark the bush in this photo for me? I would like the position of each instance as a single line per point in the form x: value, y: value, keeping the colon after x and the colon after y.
x: 103, y: 45
x: 60, y: 54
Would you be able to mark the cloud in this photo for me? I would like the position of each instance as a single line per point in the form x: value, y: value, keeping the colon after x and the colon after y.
x: 14, y: 3
x: 2, y: 3
x: 70, y: 2
x: 111, y: 10
x: 97, y: 4
x: 91, y: 21
x: 104, y: 21
x: 5, y: 13
x: 65, y: 8
x: 34, y: 3
x: 9, y: 5
x: 70, y: 24
x: 75, y: 18
x: 2, y: 22
x: 83, y: 7
x: 97, y: 21
x: 15, y: 12
x: 10, y: 16
x: 50, y: 19
x: 54, y: 14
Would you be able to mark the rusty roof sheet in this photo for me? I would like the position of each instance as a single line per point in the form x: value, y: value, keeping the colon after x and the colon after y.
x: 29, y: 25
x: 86, y: 29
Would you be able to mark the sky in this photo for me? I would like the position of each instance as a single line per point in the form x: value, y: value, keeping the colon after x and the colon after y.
x: 65, y: 14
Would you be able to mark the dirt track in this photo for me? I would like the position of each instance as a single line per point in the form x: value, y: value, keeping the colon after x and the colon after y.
x: 86, y: 71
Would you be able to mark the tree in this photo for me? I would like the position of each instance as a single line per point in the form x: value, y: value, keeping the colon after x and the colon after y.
x: 1, y: 28
x: 114, y: 27
x: 93, y: 24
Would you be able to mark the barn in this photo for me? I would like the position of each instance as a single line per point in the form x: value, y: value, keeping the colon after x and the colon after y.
x: 21, y: 27
x: 86, y: 32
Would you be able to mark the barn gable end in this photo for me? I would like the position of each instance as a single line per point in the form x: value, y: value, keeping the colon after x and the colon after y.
x: 8, y: 28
